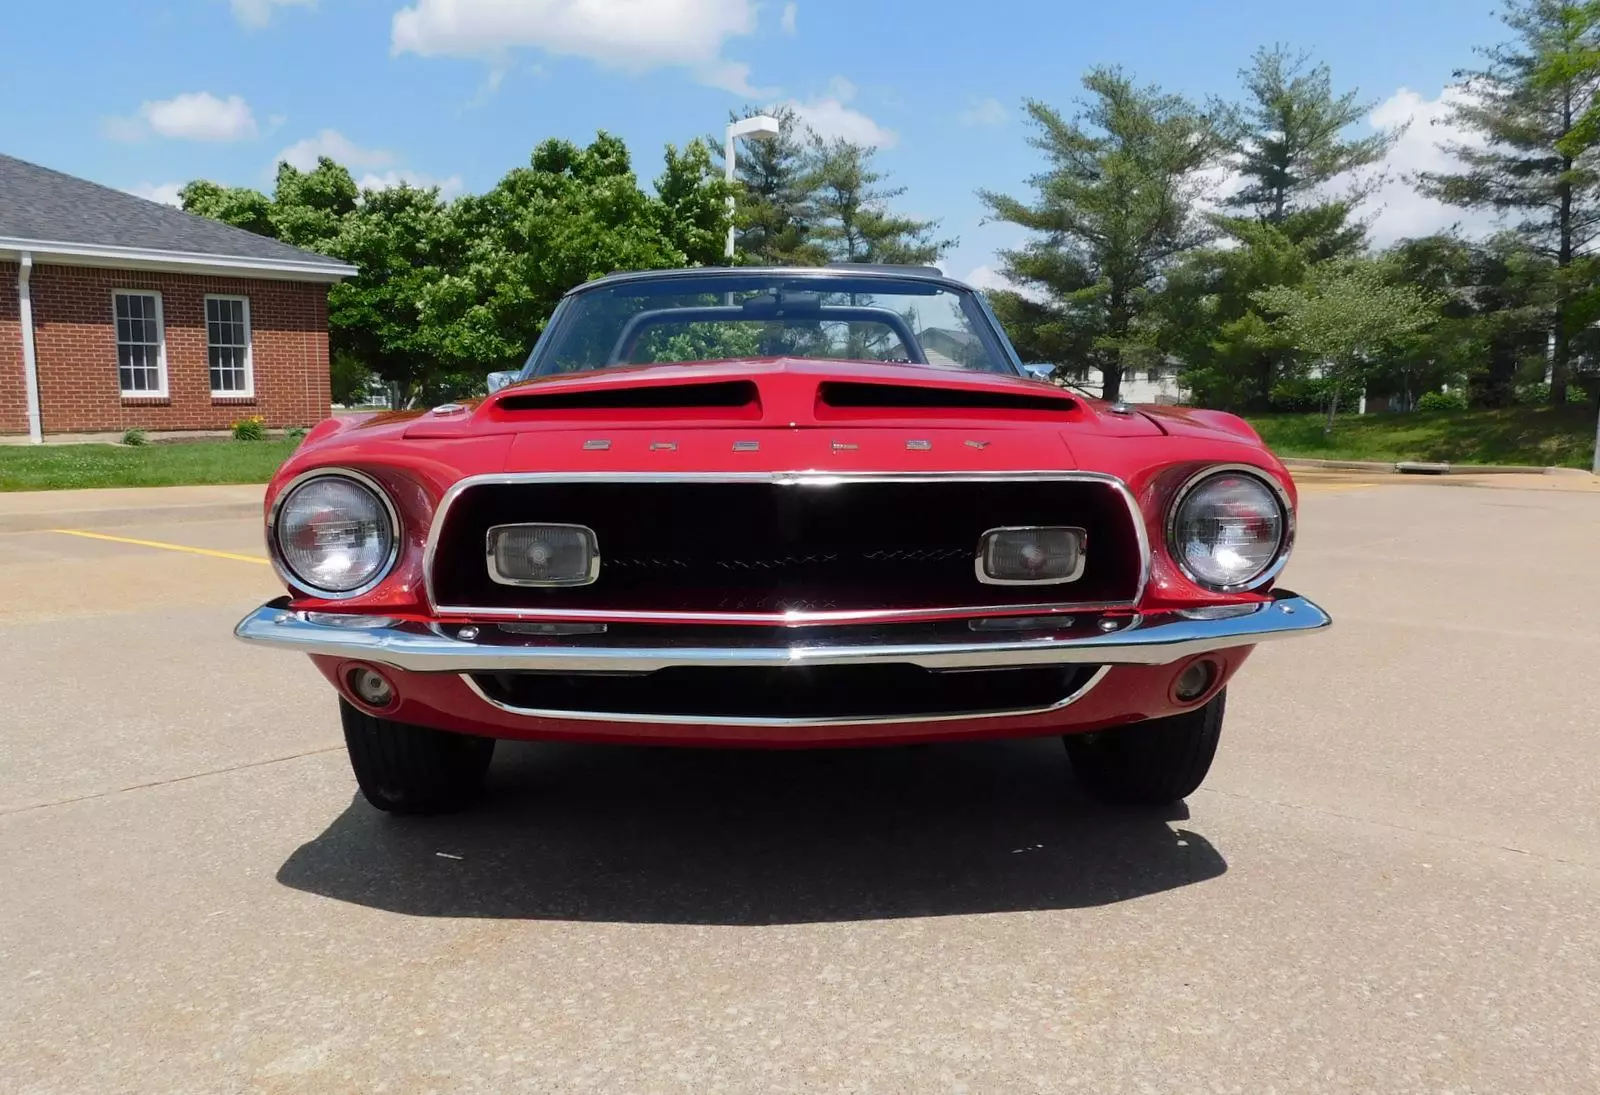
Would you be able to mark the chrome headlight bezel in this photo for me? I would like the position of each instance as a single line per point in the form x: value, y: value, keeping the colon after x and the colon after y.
x: 362, y: 481
x: 1286, y: 514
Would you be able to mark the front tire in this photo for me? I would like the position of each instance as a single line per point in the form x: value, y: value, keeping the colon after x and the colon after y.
x: 1150, y: 763
x: 406, y: 769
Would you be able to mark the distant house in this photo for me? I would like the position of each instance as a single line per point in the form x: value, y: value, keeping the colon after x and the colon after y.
x: 1158, y: 384
x: 944, y: 346
x: 117, y: 312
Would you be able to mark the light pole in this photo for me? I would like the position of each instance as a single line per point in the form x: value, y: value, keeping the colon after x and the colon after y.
x: 1597, y: 446
x: 759, y: 125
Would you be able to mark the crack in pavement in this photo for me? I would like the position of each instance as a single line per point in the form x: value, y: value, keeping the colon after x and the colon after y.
x: 7, y: 811
x: 1323, y: 811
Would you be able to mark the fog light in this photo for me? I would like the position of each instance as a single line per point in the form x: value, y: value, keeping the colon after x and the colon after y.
x: 552, y: 629
x: 1021, y: 623
x: 371, y: 687
x: 1194, y: 681
x: 543, y: 555
x: 1034, y: 555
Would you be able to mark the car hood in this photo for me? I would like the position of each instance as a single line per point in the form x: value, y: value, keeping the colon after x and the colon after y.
x: 778, y: 415
x: 779, y: 393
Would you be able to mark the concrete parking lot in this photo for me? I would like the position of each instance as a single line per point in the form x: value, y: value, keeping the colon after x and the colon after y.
x: 1390, y: 883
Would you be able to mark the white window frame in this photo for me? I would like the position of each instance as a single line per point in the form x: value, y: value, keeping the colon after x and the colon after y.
x: 161, y: 345
x: 249, y: 389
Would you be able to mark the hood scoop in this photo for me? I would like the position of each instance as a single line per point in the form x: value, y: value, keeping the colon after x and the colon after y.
x: 855, y: 396
x: 734, y: 400
x: 778, y: 393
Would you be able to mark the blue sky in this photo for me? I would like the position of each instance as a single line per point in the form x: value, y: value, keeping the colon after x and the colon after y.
x: 146, y: 95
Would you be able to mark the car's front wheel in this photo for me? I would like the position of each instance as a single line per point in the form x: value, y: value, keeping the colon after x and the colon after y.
x: 408, y: 769
x: 1149, y: 763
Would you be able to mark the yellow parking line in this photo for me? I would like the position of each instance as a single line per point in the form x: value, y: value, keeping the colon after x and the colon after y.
x: 164, y: 546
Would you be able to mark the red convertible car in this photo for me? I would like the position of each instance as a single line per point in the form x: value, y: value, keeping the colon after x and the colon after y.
x: 779, y: 507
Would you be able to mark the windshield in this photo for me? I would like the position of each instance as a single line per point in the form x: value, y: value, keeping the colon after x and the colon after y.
x: 693, y: 318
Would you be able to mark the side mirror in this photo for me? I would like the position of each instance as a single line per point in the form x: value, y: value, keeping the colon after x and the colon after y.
x: 500, y: 380
x: 1039, y: 370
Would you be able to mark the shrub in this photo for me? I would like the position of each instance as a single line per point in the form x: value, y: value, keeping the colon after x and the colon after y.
x: 295, y: 433
x: 1535, y: 395
x: 253, y: 428
x: 134, y: 437
x: 1442, y: 401
x: 1305, y: 395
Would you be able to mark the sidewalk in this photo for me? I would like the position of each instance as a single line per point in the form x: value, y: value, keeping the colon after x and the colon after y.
x: 1568, y: 480
x: 24, y: 511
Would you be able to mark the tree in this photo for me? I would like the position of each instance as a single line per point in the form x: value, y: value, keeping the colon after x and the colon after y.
x: 805, y: 201
x: 850, y: 216
x: 1494, y: 301
x: 1287, y: 141
x: 239, y: 206
x: 1345, y: 315
x: 402, y: 241
x: 691, y: 203
x: 1209, y: 319
x: 774, y: 210
x: 1288, y: 136
x: 1579, y: 58
x: 1525, y: 105
x: 1114, y: 209
x: 571, y: 215
x: 448, y: 291
x: 407, y: 245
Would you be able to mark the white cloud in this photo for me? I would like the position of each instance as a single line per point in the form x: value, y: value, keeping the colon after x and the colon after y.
x: 1396, y: 208
x: 986, y: 277
x: 1214, y: 185
x: 448, y: 188
x: 984, y: 112
x: 191, y: 116
x: 731, y: 76
x: 165, y: 193
x: 258, y: 13
x: 337, y: 147
x: 201, y: 116
x: 373, y: 167
x: 831, y: 116
x: 631, y: 35
x: 790, y: 10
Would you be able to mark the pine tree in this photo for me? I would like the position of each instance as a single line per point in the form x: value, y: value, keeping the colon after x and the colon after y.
x: 773, y: 210
x: 1289, y: 135
x: 1288, y: 142
x: 1525, y: 104
x: 1113, y: 210
x: 851, y: 218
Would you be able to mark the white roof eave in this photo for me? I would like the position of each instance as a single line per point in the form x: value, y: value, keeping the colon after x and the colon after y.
x: 60, y: 253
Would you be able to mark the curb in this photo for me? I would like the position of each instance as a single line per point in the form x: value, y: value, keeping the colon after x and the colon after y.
x: 1423, y: 467
x: 119, y: 517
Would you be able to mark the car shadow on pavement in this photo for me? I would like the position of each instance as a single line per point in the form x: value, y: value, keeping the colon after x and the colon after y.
x: 680, y: 836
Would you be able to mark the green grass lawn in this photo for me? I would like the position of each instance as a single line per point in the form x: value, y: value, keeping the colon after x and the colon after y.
x: 1540, y: 436
x: 61, y: 467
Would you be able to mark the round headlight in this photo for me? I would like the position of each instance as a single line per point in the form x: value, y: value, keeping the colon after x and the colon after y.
x: 1228, y: 531
x: 335, y: 534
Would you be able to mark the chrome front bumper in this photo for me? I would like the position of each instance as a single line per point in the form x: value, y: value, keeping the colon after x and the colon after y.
x: 1152, y: 639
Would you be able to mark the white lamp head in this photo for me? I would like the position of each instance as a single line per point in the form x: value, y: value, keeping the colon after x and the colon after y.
x: 758, y: 125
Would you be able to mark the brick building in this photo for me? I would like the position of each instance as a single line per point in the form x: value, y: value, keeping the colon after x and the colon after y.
x: 117, y: 312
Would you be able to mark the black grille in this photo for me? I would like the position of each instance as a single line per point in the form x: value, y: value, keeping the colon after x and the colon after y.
x: 812, y: 692
x: 765, y: 547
